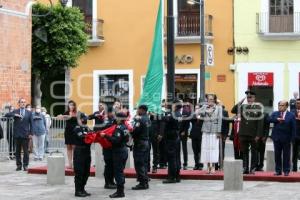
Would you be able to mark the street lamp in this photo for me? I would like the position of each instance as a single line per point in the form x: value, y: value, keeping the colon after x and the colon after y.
x: 192, y: 2
x: 202, y: 37
x: 64, y: 2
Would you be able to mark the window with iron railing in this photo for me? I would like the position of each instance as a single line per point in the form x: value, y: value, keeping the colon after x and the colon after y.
x: 188, y: 21
x: 281, y: 17
x: 86, y: 7
x: 189, y: 24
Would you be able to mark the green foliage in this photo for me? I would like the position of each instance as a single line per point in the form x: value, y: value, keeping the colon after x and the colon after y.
x: 58, y: 38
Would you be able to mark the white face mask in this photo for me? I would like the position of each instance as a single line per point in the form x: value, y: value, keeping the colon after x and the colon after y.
x: 38, y: 110
x: 44, y: 113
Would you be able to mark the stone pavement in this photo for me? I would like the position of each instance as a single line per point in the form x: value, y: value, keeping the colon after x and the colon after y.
x: 22, y: 186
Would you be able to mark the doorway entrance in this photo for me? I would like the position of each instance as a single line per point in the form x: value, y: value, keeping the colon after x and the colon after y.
x: 186, y: 87
x: 262, y: 84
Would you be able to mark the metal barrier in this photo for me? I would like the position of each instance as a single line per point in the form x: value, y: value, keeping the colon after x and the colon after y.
x: 7, y: 145
x: 55, y: 137
x: 54, y: 140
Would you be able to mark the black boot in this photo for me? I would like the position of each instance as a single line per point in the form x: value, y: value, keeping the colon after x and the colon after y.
x: 141, y: 186
x: 79, y: 188
x: 246, y: 163
x: 170, y: 180
x: 178, y: 179
x: 80, y: 194
x: 119, y: 193
x: 110, y: 186
x: 85, y: 192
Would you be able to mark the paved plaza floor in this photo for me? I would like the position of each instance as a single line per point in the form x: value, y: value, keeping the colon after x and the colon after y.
x: 20, y: 185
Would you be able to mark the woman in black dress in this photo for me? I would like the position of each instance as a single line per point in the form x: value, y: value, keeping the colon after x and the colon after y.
x: 71, y: 122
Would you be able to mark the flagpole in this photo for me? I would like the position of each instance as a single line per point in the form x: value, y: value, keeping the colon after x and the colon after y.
x: 163, y: 96
x: 170, y: 53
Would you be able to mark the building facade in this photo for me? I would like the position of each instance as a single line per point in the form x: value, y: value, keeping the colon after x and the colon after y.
x: 267, y: 46
x: 15, y: 51
x: 116, y: 63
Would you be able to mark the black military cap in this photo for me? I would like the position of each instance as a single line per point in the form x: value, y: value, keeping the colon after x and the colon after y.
x: 83, y: 118
x: 109, y: 109
x: 121, y: 115
x: 143, y: 107
x: 249, y: 92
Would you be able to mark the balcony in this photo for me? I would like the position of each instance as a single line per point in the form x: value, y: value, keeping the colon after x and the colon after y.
x: 187, y: 28
x: 278, y: 27
x: 94, y: 28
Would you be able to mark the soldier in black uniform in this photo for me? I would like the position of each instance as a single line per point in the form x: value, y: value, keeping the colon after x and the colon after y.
x: 172, y: 127
x: 140, y: 137
x: 186, y: 114
x: 155, y: 140
x: 103, y: 121
x: 250, y: 129
x: 196, y: 136
x: 119, y: 153
x: 82, y: 158
x: 261, y: 143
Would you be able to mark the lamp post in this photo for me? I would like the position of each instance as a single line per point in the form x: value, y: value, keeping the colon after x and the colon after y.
x: 202, y: 37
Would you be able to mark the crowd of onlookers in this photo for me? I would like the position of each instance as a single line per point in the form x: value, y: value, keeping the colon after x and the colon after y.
x: 207, y: 124
x: 27, y: 131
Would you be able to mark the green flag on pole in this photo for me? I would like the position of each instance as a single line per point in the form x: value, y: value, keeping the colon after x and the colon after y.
x: 152, y: 90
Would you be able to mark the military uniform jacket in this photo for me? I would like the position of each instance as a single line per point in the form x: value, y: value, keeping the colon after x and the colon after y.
x: 172, y: 125
x: 80, y: 134
x: 155, y: 128
x: 196, y: 132
x: 252, y: 119
x: 99, y: 118
x: 141, y: 128
x: 120, y: 137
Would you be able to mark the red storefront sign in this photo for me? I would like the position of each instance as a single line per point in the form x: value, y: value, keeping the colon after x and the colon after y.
x: 260, y: 79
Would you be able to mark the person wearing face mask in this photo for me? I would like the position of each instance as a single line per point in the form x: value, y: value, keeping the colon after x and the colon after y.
x: 48, y: 125
x: 39, y: 129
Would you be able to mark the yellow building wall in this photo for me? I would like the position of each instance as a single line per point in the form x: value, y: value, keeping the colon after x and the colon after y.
x: 128, y: 31
x: 260, y: 50
x: 223, y: 39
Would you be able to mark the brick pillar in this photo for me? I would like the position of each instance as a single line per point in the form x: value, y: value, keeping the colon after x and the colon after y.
x: 15, y: 54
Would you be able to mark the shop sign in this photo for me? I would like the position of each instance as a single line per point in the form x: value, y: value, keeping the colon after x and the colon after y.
x: 221, y: 78
x: 210, y: 58
x: 182, y: 59
x: 186, y: 77
x: 260, y: 79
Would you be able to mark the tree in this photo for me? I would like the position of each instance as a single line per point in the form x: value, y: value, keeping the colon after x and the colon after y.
x: 58, y: 40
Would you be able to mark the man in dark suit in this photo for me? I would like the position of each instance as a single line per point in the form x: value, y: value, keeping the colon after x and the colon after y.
x: 293, y: 102
x: 22, y: 133
x: 1, y: 132
x: 283, y: 134
x: 250, y: 129
x: 296, y: 143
